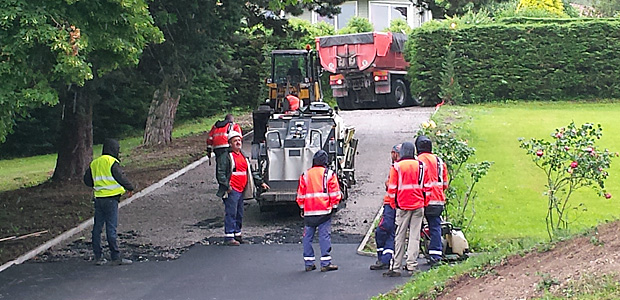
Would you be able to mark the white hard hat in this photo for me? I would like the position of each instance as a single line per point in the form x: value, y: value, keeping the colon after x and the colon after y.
x: 233, y: 134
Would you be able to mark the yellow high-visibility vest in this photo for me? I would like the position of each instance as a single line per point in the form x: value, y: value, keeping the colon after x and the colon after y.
x: 103, y: 182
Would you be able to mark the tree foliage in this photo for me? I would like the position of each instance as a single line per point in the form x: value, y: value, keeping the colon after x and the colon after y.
x: 50, y: 44
x: 357, y: 25
x: 554, y: 7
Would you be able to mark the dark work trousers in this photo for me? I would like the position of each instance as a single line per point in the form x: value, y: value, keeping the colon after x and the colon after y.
x: 434, y: 226
x: 384, y: 234
x: 106, y: 212
x: 233, y: 207
x: 325, y: 242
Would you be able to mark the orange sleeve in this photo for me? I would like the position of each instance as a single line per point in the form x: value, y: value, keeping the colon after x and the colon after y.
x: 210, y: 137
x: 333, y: 190
x: 301, y: 191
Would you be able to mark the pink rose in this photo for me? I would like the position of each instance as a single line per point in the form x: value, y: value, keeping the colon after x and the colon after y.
x: 607, y: 195
x: 539, y: 153
x: 574, y: 164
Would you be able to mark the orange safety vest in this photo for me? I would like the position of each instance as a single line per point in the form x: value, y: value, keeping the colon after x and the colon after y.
x: 293, y: 102
x: 218, y: 136
x: 405, y: 186
x: 318, y: 192
x: 435, y: 179
x: 239, y: 175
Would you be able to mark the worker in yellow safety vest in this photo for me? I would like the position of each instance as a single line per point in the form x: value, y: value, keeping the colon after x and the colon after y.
x: 109, y: 182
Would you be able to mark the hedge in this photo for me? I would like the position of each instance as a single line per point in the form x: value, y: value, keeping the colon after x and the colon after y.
x: 519, y: 58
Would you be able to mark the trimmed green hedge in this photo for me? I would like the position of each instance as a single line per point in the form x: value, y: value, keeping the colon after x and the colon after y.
x: 519, y: 58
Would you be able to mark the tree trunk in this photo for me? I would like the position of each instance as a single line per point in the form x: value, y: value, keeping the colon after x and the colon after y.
x: 160, y: 120
x: 75, y: 147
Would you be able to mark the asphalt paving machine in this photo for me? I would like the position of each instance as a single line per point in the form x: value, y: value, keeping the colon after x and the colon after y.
x: 285, y: 143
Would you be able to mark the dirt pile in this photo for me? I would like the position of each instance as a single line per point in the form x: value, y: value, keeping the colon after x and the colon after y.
x: 524, y: 277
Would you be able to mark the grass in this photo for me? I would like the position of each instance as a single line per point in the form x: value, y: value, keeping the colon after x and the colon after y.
x: 30, y: 171
x: 510, y: 208
x: 510, y: 200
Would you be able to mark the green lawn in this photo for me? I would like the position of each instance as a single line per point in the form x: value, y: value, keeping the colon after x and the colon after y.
x: 510, y: 200
x: 30, y: 171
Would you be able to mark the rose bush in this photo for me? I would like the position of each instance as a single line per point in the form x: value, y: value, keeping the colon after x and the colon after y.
x: 571, y: 160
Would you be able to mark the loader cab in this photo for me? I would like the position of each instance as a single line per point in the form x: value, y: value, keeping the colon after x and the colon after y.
x: 294, y: 71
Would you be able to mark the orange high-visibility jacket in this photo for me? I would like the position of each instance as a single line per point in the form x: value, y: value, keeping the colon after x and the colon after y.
x: 405, y: 189
x: 318, y: 191
x: 218, y: 136
x: 293, y: 102
x: 435, y: 179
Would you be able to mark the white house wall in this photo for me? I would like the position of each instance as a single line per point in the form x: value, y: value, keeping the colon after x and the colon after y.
x: 363, y: 8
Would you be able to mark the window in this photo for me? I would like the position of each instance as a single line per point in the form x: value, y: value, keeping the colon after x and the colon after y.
x: 347, y: 10
x: 381, y: 14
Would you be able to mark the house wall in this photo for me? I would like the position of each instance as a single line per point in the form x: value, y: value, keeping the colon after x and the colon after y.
x: 414, y: 18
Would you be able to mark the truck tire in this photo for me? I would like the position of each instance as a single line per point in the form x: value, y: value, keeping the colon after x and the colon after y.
x: 398, y: 96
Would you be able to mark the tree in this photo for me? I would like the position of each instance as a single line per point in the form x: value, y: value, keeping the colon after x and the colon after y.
x: 195, y: 47
x: 53, y: 51
x: 203, y: 42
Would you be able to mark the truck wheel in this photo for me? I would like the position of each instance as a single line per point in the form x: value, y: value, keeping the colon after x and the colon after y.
x: 399, y: 94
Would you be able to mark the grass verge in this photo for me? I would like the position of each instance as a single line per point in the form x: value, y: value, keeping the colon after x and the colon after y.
x: 31, y: 171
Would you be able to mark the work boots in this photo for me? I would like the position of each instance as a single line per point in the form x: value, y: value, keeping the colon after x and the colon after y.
x: 379, y: 266
x: 330, y: 267
x: 231, y: 243
x: 310, y: 268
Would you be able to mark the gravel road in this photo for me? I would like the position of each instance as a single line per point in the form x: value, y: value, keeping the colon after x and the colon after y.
x: 185, y: 211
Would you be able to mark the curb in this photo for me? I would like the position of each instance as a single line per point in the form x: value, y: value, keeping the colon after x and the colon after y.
x: 88, y: 223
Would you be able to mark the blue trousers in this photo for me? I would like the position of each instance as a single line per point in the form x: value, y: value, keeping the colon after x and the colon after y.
x: 325, y: 242
x: 233, y: 207
x: 384, y: 234
x: 434, y: 227
x: 106, y: 212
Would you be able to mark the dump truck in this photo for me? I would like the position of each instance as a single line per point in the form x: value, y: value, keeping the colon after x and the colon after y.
x: 285, y: 143
x: 367, y: 69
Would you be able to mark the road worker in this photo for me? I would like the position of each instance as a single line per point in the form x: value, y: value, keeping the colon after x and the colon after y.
x: 236, y: 183
x: 293, y: 103
x: 435, y: 183
x: 107, y: 178
x: 318, y: 195
x: 384, y: 233
x: 217, y: 142
x: 406, y: 194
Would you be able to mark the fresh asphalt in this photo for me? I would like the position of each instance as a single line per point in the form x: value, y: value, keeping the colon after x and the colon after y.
x: 204, y: 272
